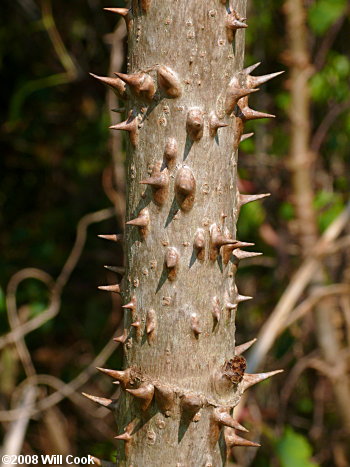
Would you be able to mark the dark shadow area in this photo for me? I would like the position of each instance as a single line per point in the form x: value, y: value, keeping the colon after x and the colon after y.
x: 173, y: 211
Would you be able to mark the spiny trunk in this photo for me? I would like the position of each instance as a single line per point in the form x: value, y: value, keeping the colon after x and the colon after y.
x: 187, y: 96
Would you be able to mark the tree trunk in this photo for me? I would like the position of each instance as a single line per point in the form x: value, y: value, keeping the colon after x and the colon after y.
x: 185, y: 92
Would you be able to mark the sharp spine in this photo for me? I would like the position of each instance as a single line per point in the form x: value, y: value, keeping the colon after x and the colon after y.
x: 131, y: 305
x: 240, y: 254
x: 246, y: 136
x: 254, y: 81
x: 234, y: 94
x: 215, y: 124
x: 142, y: 221
x: 199, y: 244
x: 239, y: 349
x: 195, y: 124
x: 185, y: 188
x: 131, y: 125
x: 250, y: 114
x: 141, y: 84
x: 115, y: 288
x: 252, y: 379
x: 222, y: 417
x: 169, y: 82
x: 233, y: 23
x: 242, y: 298
x: 251, y: 68
x: 165, y: 398
x: 235, y: 440
x: 145, y: 393
x: 124, y: 437
x: 122, y: 339
x: 151, y: 325
x: 245, y: 199
x: 122, y: 376
x: 108, y: 403
x: 124, y: 12
x: 191, y: 404
x: 115, y: 83
x: 114, y: 237
x: 170, y: 150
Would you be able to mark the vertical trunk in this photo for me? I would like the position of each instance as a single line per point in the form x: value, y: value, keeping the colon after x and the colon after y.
x: 183, y: 374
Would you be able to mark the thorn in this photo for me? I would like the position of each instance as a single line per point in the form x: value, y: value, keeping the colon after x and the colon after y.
x: 252, y: 379
x: 218, y: 240
x: 195, y: 325
x: 234, y: 94
x: 136, y: 324
x: 115, y: 288
x: 108, y: 403
x: 171, y: 257
x: 216, y: 311
x: 254, y: 81
x: 141, y: 84
x: 142, y: 221
x: 170, y: 150
x: 231, y: 306
x: 159, y: 182
x: 246, y: 113
x: 169, y: 82
x: 245, y: 199
x: 185, y: 188
x: 199, y: 244
x: 251, y: 68
x: 242, y: 298
x: 195, y: 124
x: 240, y: 254
x: 222, y: 416
x: 246, y: 136
x: 130, y: 125
x: 234, y: 22
x: 235, y: 440
x: 115, y: 83
x: 228, y: 249
x: 122, y: 376
x: 191, y: 404
x: 239, y: 349
x: 215, y: 124
x: 145, y: 392
x: 124, y: 437
x: 151, y: 324
x: 117, y: 269
x: 124, y: 12
x: 119, y: 110
x: 113, y: 238
x: 165, y: 398
x: 131, y: 305
x: 121, y: 338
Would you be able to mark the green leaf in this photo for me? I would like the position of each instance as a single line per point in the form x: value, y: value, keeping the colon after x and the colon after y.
x: 294, y: 450
x: 323, y: 13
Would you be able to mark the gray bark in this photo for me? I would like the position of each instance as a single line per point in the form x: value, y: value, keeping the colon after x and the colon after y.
x: 180, y: 352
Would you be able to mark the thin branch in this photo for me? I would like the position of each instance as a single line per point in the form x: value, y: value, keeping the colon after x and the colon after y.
x: 277, y: 320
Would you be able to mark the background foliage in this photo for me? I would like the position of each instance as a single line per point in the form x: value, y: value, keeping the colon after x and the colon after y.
x: 56, y: 146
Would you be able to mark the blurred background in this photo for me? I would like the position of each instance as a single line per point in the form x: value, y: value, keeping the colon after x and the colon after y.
x: 62, y: 184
